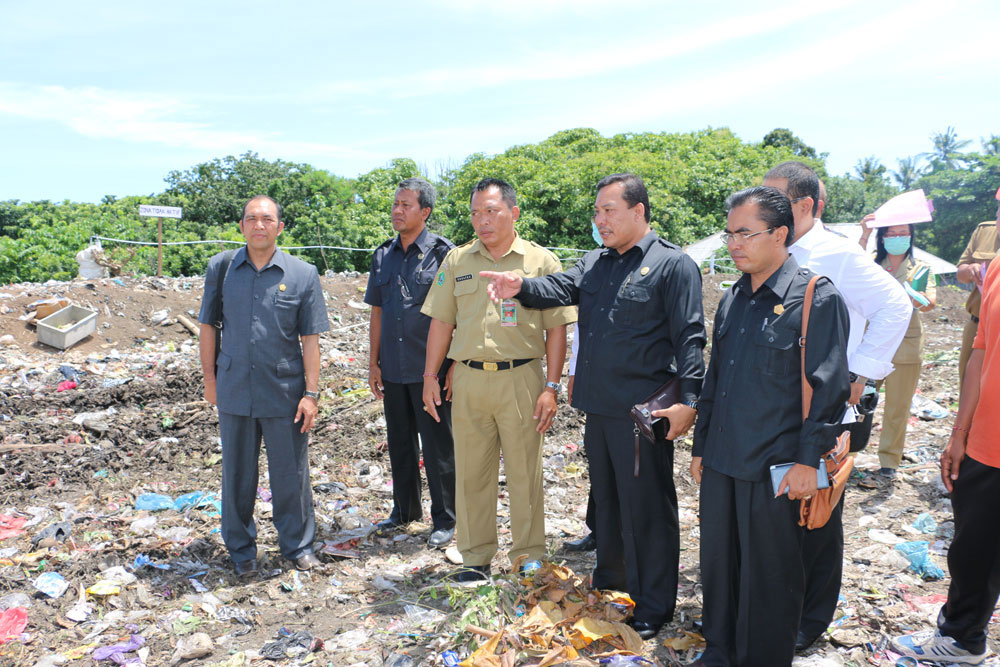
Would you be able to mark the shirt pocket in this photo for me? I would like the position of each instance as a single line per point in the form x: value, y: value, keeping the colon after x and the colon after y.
x: 588, y: 300
x: 632, y: 304
x: 775, y: 351
x: 465, y: 290
x: 422, y: 281
x: 381, y: 283
x: 286, y: 312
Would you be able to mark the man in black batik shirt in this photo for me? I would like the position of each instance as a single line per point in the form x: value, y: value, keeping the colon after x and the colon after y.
x: 641, y: 323
x: 750, y: 418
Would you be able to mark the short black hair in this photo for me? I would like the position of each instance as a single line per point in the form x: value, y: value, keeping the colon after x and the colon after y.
x: 773, y: 207
x: 802, y: 181
x: 255, y: 198
x: 506, y: 190
x: 881, y: 253
x: 426, y: 194
x: 634, y: 191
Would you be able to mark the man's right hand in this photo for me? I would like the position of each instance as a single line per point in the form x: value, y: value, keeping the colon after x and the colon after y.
x: 432, y: 397
x: 696, y: 468
x: 375, y: 381
x: 951, y: 460
x: 970, y: 273
x: 210, y: 392
x: 505, y: 285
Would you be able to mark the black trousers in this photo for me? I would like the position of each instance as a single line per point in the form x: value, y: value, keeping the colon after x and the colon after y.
x: 404, y: 420
x: 638, y: 539
x: 823, y: 555
x: 751, y: 572
x: 974, y: 556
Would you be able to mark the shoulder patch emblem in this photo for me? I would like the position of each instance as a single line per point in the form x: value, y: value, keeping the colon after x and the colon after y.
x: 440, y: 280
x: 459, y: 279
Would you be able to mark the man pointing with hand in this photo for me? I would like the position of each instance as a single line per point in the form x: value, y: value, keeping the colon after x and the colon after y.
x: 641, y: 324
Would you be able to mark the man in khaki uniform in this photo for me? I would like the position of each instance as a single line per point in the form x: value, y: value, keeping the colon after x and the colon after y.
x: 983, y: 245
x: 498, y: 380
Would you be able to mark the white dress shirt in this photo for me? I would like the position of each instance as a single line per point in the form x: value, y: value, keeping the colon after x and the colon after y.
x: 872, y: 295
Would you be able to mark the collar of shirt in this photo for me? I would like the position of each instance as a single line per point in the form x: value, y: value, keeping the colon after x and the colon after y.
x: 778, y: 282
x: 517, y: 246
x: 279, y: 259
x: 642, y: 245
x: 423, y: 242
x: 813, y: 237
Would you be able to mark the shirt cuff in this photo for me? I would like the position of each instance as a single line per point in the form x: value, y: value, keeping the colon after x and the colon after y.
x: 690, y: 389
x: 873, y: 369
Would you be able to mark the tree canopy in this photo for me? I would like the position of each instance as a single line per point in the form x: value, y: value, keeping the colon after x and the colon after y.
x: 688, y: 175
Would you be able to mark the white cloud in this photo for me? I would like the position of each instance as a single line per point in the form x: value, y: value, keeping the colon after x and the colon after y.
x: 147, y: 118
x: 542, y: 65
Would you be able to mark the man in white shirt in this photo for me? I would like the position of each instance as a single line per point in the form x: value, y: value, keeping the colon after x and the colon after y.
x: 874, y: 298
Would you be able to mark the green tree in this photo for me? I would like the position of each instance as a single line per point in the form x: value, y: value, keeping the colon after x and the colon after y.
x: 908, y: 173
x: 781, y: 137
x: 947, y: 150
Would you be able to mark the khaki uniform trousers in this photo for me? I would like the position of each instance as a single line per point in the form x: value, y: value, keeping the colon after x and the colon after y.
x: 968, y: 338
x: 492, y: 413
x: 900, y: 385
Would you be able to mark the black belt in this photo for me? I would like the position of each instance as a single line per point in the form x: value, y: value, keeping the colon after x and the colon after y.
x: 975, y: 320
x: 496, y: 365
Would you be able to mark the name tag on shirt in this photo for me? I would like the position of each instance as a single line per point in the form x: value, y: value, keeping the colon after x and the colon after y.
x: 508, y: 313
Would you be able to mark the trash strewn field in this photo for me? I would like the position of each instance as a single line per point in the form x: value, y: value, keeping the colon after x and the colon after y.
x: 109, y: 545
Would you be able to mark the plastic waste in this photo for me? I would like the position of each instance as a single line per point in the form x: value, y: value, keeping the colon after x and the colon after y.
x: 193, y: 499
x: 143, y: 525
x: 190, y: 647
x: 57, y: 531
x: 11, y: 525
x: 450, y: 658
x: 116, y: 652
x: 291, y: 645
x: 398, y: 660
x: 925, y: 524
x: 52, y: 584
x: 920, y: 559
x: 154, y: 502
x: 104, y: 587
x: 926, y: 409
x: 15, y: 600
x: 623, y: 660
x: 420, y: 615
x: 65, y: 385
x: 12, y: 623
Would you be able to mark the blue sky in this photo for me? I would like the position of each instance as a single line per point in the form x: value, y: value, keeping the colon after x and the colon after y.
x: 108, y: 97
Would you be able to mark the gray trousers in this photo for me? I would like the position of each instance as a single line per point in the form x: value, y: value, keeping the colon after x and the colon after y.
x: 288, y: 473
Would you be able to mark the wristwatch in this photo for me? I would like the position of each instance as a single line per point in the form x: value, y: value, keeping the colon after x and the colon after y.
x: 554, y: 386
x: 691, y: 404
x: 312, y: 394
x: 858, y: 379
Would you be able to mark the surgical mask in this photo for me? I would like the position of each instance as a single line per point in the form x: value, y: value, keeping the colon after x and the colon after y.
x: 597, y: 235
x: 896, y: 245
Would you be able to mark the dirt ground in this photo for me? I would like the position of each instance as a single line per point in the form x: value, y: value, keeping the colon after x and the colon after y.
x: 75, y: 464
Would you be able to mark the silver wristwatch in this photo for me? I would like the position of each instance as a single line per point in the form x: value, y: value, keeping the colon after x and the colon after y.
x: 312, y: 394
x: 554, y: 386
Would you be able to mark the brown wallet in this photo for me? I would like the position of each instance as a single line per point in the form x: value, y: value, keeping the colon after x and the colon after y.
x: 650, y: 427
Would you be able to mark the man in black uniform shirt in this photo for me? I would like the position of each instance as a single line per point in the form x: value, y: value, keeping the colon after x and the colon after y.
x: 641, y: 323
x: 750, y: 418
x: 402, y: 271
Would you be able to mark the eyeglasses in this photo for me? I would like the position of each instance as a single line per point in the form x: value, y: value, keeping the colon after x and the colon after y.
x: 743, y: 237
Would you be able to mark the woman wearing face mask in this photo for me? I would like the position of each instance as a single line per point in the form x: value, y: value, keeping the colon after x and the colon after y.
x: 894, y: 252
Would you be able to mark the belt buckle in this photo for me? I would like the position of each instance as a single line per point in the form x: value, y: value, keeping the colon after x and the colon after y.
x: 490, y: 366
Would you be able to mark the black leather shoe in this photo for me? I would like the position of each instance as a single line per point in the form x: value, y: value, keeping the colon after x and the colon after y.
x: 386, y: 525
x: 245, y: 566
x: 804, y: 641
x: 645, y: 630
x: 586, y: 543
x: 306, y: 562
x: 473, y: 574
x: 441, y: 537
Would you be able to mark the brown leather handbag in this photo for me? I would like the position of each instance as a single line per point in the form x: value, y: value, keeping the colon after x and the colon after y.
x: 650, y: 427
x: 815, y: 512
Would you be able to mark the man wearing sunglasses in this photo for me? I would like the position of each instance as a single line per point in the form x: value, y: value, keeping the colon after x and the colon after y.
x: 874, y: 300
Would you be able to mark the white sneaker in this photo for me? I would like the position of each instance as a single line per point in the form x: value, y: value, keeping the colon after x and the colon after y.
x: 935, y: 647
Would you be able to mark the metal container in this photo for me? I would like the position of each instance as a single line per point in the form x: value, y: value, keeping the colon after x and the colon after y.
x: 65, y: 328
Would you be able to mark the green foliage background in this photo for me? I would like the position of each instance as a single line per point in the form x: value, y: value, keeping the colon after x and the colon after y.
x: 688, y: 176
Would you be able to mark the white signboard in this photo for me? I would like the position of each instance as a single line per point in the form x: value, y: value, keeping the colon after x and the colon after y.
x: 160, y: 211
